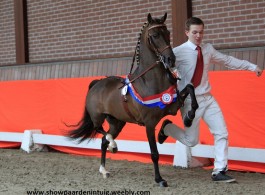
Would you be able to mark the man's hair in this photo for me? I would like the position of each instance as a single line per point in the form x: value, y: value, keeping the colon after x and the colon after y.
x: 193, y: 21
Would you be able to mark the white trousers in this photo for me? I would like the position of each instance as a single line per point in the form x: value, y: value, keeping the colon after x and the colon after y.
x: 210, y: 112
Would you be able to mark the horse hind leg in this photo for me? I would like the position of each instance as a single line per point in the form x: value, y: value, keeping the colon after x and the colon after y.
x: 114, y: 130
x: 109, y: 143
x: 98, y: 120
x: 104, y: 146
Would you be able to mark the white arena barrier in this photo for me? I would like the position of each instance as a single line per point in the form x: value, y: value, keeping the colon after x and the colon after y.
x: 34, y: 140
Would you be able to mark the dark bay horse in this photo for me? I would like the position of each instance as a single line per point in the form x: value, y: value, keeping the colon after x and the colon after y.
x: 144, y: 97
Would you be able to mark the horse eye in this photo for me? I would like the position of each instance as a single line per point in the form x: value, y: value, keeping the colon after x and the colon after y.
x: 155, y: 35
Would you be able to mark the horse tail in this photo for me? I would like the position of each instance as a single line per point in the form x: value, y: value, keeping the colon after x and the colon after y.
x: 85, y: 129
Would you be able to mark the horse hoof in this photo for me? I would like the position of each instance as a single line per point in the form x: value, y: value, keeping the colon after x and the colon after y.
x: 104, y: 172
x: 187, y: 121
x: 163, y: 183
x: 106, y: 175
x: 113, y: 150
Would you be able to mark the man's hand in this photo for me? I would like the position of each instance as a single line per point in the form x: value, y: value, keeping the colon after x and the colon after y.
x: 258, y: 71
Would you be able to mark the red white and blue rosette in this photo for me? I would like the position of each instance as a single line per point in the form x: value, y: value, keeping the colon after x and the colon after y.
x: 158, y: 100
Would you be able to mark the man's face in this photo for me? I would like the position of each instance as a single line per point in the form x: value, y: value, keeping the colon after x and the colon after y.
x: 195, y: 34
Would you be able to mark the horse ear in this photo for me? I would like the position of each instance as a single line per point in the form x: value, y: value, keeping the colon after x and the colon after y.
x: 149, y: 18
x: 163, y: 19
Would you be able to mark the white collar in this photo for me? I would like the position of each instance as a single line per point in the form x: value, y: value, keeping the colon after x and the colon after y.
x: 191, y: 45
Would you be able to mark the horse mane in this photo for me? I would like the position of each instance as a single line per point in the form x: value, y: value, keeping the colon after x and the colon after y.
x: 137, y: 48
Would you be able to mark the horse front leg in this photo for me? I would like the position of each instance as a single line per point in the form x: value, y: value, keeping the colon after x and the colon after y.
x: 155, y: 156
x: 188, y: 118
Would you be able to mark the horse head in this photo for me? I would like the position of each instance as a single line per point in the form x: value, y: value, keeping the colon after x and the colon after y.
x: 154, y: 46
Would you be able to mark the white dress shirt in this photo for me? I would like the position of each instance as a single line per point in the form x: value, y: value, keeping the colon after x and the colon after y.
x: 186, y: 58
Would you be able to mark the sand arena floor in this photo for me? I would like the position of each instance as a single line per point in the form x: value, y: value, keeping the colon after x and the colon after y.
x: 59, y: 173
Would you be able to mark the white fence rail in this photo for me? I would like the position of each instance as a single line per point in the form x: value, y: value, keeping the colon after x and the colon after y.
x: 180, y: 152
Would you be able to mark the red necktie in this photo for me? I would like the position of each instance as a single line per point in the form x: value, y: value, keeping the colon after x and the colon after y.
x: 197, y: 76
